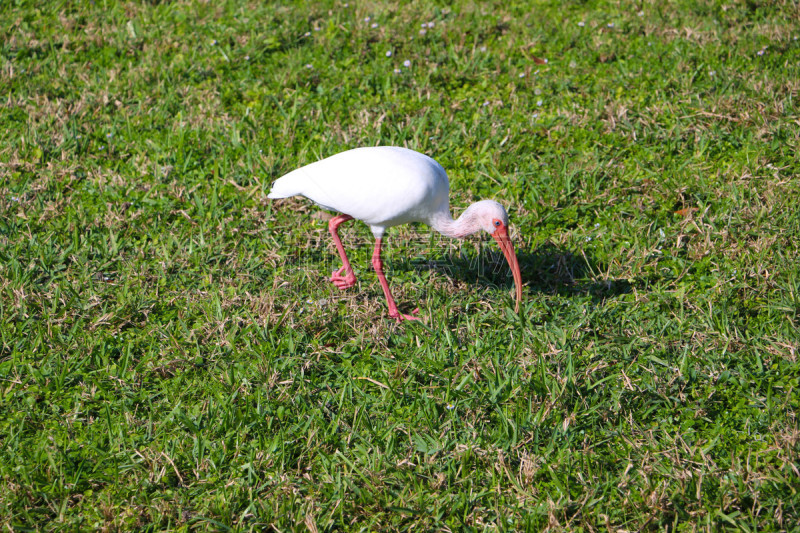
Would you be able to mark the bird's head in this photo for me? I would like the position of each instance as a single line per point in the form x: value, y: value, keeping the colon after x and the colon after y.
x: 489, y: 215
x: 492, y: 217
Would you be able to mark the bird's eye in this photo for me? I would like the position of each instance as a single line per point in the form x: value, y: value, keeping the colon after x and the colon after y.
x: 497, y: 223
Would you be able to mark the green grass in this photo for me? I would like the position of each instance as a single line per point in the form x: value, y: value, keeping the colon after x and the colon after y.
x: 172, y: 356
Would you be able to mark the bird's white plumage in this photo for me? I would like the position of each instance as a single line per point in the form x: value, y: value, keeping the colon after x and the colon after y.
x: 382, y: 185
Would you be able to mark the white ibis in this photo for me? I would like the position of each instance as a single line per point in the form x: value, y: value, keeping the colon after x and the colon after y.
x: 386, y: 186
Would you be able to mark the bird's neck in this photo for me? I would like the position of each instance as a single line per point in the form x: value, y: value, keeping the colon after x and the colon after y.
x: 466, y: 224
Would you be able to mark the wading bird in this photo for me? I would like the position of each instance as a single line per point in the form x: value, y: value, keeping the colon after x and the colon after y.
x: 386, y: 186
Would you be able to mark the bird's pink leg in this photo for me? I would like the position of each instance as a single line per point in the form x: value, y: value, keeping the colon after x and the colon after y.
x: 349, y: 278
x: 377, y: 264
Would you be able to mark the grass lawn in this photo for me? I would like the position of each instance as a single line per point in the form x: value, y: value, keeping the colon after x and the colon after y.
x: 173, y: 357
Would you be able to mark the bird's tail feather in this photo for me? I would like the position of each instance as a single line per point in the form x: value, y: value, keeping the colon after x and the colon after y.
x: 283, y: 188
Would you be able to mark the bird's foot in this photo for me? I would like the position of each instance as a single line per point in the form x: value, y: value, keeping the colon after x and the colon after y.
x: 400, y: 316
x: 343, y: 282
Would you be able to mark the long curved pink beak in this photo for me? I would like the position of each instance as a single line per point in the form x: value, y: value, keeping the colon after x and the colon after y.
x: 502, y: 238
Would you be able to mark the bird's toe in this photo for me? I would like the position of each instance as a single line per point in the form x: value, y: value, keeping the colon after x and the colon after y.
x: 401, y: 316
x: 343, y: 282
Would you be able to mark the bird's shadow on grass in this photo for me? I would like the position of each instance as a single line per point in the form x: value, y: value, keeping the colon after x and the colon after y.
x: 545, y: 269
